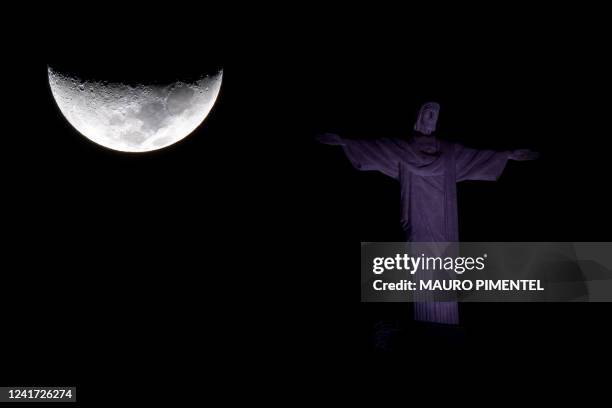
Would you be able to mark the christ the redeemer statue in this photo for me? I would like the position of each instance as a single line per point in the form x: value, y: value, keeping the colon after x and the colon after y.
x: 427, y: 169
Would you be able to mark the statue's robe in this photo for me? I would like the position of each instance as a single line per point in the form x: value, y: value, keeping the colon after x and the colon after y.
x: 427, y: 169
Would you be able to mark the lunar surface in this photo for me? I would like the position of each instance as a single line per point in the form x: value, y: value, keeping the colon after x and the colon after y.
x: 136, y: 118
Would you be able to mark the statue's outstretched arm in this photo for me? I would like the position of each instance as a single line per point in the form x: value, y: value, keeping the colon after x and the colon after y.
x: 331, y: 139
x: 523, y: 155
x: 367, y: 154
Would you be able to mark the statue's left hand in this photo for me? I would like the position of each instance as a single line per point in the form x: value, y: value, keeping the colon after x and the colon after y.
x: 331, y: 139
x: 523, y: 155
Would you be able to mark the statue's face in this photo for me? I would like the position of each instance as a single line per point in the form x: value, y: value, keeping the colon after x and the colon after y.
x: 427, y: 119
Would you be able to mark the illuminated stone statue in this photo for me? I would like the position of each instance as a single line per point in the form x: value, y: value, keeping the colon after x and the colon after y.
x: 427, y: 169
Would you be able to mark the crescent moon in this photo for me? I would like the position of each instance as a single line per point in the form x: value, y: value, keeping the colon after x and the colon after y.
x: 138, y: 118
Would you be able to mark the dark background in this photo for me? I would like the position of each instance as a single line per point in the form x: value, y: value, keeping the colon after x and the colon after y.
x: 236, y: 245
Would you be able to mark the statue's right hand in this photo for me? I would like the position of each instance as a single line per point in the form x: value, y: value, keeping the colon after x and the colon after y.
x: 330, y: 139
x: 523, y: 155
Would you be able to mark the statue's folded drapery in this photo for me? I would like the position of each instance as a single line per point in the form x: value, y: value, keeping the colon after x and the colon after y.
x: 427, y: 170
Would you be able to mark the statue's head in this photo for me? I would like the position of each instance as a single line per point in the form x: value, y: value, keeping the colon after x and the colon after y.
x: 427, y: 119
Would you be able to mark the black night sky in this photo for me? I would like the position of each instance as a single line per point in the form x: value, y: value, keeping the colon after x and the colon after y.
x: 239, y: 242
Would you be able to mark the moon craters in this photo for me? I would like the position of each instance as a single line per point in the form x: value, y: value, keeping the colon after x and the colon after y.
x: 134, y: 118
